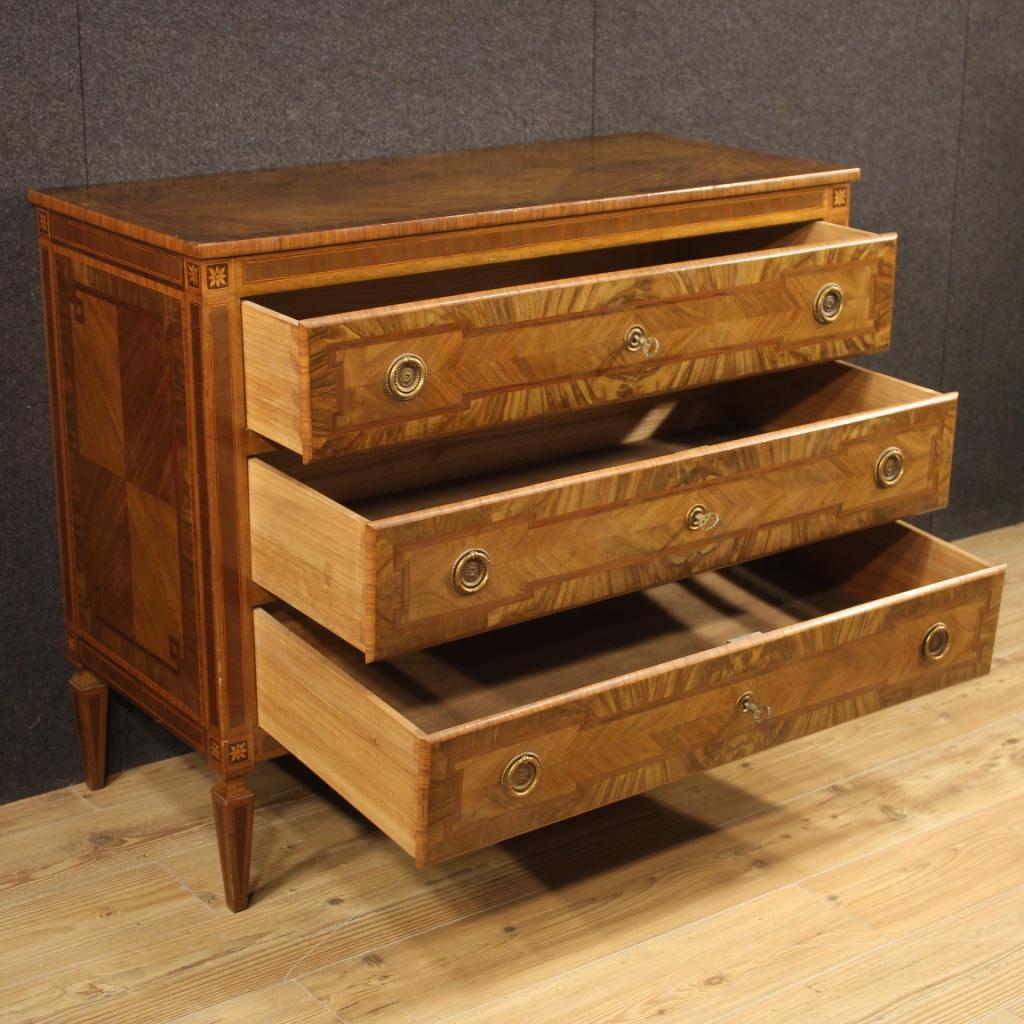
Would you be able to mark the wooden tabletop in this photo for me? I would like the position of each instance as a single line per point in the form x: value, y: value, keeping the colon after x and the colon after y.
x: 272, y: 210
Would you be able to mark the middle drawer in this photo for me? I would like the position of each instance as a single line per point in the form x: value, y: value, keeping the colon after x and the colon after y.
x: 434, y: 542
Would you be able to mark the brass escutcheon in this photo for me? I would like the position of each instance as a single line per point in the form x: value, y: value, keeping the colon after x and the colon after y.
x: 828, y: 303
x: 471, y: 571
x: 405, y: 377
x: 747, y: 704
x: 520, y: 775
x: 699, y: 518
x: 638, y: 340
x: 889, y: 467
x: 936, y: 641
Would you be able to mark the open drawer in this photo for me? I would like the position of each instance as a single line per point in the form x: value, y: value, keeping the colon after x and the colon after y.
x: 610, y: 503
x: 454, y: 748
x: 376, y: 362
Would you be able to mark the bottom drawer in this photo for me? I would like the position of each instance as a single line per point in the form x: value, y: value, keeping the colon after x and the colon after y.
x: 468, y: 743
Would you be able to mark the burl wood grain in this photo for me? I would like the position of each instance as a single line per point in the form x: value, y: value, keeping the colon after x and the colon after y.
x: 790, y: 466
x: 541, y: 341
x: 630, y: 694
x: 269, y: 210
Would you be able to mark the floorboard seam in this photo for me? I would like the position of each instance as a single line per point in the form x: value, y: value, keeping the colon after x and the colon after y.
x: 316, y: 999
x: 184, y: 885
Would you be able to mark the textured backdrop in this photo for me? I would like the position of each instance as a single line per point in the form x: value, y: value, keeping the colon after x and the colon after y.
x: 924, y: 96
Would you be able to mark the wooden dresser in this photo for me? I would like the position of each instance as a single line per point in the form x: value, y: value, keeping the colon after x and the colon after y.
x: 497, y: 485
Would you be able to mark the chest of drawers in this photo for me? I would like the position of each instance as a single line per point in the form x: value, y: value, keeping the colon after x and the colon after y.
x: 495, y: 486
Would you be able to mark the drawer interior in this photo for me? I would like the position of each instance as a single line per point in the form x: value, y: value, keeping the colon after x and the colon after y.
x: 357, y: 295
x: 493, y: 674
x: 419, y: 478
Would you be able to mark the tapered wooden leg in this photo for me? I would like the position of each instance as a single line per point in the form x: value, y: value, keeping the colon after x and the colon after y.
x: 90, y: 697
x: 233, y: 807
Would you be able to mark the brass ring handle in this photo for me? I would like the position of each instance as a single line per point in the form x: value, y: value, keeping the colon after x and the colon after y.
x: 638, y: 340
x: 471, y: 571
x: 936, y: 642
x: 520, y: 775
x: 889, y: 467
x: 828, y: 303
x: 406, y: 377
x: 747, y: 704
x: 699, y: 518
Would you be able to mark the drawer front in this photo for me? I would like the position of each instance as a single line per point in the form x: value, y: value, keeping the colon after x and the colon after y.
x: 631, y: 736
x: 570, y: 543
x: 356, y: 380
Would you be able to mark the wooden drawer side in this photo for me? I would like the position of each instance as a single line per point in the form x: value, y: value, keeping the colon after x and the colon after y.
x: 309, y: 550
x: 277, y: 378
x: 356, y: 743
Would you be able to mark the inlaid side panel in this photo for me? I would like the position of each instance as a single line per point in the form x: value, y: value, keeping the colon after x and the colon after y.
x: 121, y: 347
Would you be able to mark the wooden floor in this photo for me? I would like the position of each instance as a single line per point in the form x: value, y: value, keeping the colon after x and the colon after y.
x: 874, y: 872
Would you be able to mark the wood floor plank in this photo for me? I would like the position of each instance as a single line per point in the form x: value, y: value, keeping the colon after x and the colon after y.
x: 588, y: 915
x: 30, y: 813
x: 912, y: 983
x: 285, y: 1003
x: 999, y: 918
x: 165, y: 805
x: 744, y: 953
x: 930, y: 975
x: 690, y: 972
x: 48, y: 924
x: 902, y: 889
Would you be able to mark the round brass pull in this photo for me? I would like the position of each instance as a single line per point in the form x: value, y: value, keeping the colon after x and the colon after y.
x: 936, y: 641
x: 828, y: 303
x: 638, y: 340
x: 889, y: 467
x: 747, y: 704
x: 471, y: 571
x: 405, y: 377
x: 699, y: 518
x: 520, y: 775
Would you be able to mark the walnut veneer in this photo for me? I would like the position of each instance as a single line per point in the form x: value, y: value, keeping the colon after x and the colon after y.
x: 326, y: 438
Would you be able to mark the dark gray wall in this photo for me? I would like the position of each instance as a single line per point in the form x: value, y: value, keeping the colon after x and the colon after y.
x: 925, y: 96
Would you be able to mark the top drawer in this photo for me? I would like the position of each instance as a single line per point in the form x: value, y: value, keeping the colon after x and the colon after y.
x: 377, y: 362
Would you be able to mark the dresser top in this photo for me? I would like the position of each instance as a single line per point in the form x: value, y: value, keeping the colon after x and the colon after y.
x: 249, y: 212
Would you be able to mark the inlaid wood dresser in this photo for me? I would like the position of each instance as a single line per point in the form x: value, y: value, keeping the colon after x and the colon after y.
x: 495, y: 486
